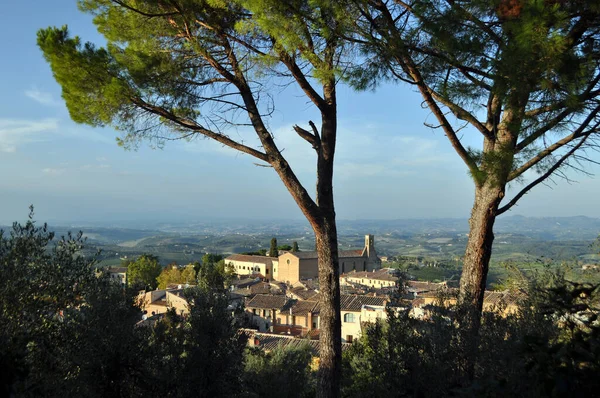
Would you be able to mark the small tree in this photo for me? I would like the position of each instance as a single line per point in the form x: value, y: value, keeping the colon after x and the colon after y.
x: 295, y: 247
x: 188, y: 275
x: 273, y: 252
x: 143, y: 272
x: 170, y: 274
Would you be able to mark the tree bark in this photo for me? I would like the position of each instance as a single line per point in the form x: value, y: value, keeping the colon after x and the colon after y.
x: 330, y: 343
x: 330, y: 368
x: 475, y: 271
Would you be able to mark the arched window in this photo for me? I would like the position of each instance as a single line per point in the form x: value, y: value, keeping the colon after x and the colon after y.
x: 349, y: 318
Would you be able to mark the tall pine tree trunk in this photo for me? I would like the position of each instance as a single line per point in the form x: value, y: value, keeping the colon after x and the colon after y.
x: 330, y: 368
x: 475, y: 271
x: 330, y: 343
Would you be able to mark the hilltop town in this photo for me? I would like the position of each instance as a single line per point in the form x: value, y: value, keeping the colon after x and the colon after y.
x: 277, y: 298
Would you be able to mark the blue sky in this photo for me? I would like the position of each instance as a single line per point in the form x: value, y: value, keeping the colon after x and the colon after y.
x: 388, y: 164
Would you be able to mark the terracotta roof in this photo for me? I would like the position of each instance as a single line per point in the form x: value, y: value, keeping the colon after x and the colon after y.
x: 381, y: 275
x: 251, y: 259
x: 257, y: 288
x: 270, y: 342
x: 355, y: 303
x: 501, y: 298
x: 341, y: 254
x: 302, y: 293
x: 245, y: 282
x: 302, y: 308
x: 421, y: 287
x: 350, y: 253
x: 267, y: 301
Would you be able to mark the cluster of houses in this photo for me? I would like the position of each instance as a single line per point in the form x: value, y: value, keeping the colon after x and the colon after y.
x: 281, y: 300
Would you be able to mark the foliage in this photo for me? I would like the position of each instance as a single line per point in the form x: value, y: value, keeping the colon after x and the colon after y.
x: 286, y: 248
x: 143, y: 272
x: 172, y: 274
x: 283, y: 372
x: 200, y: 354
x: 295, y: 247
x: 261, y: 252
x: 65, y: 331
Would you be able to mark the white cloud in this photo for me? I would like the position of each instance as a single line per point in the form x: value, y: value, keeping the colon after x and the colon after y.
x: 53, y: 172
x: 42, y: 97
x: 95, y: 167
x: 14, y: 133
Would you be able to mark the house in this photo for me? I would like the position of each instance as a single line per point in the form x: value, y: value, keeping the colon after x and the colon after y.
x: 160, y: 301
x: 300, y: 319
x: 377, y: 279
x: 282, y: 315
x: 503, y: 303
x: 294, y: 266
x: 262, y: 309
x: 118, y: 274
x: 359, y: 310
x: 245, y: 264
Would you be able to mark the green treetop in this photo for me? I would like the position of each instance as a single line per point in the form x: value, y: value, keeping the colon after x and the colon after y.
x: 144, y: 271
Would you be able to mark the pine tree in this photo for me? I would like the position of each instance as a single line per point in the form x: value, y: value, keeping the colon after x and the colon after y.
x: 295, y: 247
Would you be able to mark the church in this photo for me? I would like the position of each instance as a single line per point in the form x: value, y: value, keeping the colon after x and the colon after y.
x: 290, y: 267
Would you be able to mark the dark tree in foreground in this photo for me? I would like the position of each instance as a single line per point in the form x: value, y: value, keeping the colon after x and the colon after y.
x: 523, y: 76
x: 65, y: 330
x: 273, y: 252
x: 197, y: 68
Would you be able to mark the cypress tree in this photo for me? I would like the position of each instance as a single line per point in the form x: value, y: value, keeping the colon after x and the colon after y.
x: 273, y: 252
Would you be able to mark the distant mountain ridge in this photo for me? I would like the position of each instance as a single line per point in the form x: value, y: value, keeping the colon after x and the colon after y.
x: 539, y: 228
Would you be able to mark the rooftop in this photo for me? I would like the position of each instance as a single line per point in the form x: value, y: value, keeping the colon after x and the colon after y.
x: 251, y: 259
x: 381, y: 275
x: 267, y: 301
x: 355, y: 303
x: 341, y: 254
x: 270, y: 341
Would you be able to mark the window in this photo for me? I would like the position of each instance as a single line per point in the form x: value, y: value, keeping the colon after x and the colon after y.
x: 288, y: 261
x: 349, y: 338
x: 343, y: 268
x: 364, y: 265
x: 349, y: 318
x: 267, y: 271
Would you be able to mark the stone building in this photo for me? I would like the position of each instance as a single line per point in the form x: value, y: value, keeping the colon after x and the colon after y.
x: 292, y: 267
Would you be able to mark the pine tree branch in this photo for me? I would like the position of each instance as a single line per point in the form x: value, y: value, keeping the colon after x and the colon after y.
x: 579, y: 132
x: 304, y: 84
x: 462, y: 114
x: 192, y: 125
x: 145, y: 14
x: 544, y: 176
x: 311, y: 138
x: 400, y: 54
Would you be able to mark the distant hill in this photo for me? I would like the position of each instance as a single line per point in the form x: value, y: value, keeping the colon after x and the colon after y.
x: 538, y: 228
